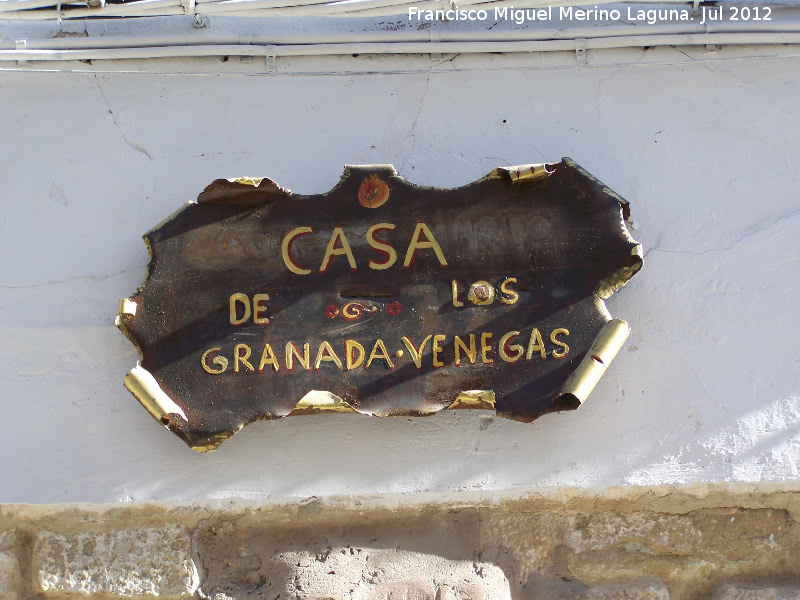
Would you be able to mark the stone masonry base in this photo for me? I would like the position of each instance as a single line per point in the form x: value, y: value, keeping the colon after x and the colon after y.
x: 717, y: 541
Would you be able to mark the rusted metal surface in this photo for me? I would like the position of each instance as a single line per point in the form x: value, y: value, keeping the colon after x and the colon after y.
x: 393, y: 298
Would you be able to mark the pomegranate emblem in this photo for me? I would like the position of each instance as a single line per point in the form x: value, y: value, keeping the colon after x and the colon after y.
x: 373, y: 192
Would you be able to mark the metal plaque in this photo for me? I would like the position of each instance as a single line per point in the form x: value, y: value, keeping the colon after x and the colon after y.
x: 379, y: 297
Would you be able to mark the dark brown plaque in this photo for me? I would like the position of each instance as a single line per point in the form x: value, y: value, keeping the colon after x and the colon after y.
x: 395, y: 299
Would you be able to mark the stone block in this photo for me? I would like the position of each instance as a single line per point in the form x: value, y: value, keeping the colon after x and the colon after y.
x: 755, y: 592
x: 125, y: 563
x: 10, y: 580
x: 645, y: 588
x: 654, y: 533
x: 252, y: 568
x: 405, y: 589
x: 383, y: 574
x: 627, y: 591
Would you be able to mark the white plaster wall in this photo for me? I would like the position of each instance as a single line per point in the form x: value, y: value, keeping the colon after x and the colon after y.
x: 707, y: 152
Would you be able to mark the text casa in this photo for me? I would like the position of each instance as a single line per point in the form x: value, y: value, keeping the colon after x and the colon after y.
x: 386, y: 256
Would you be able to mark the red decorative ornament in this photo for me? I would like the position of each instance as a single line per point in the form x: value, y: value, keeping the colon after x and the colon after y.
x: 353, y: 310
x: 373, y: 192
x: 331, y: 311
x: 394, y: 309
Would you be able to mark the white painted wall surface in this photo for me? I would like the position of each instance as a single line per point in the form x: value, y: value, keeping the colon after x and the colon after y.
x: 707, y: 388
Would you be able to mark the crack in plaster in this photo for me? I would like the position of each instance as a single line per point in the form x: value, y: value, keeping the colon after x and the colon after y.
x: 450, y: 60
x: 498, y: 159
x: 80, y: 277
x: 741, y: 238
x: 694, y: 59
x: 130, y: 143
x: 411, y: 129
x: 134, y: 145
